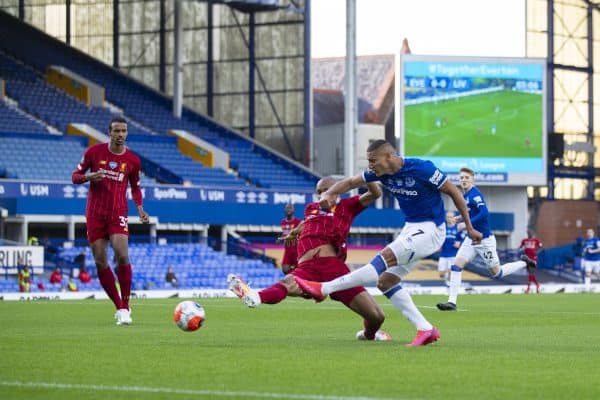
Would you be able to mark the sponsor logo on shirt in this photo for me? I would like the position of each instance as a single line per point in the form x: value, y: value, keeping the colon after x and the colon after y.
x: 112, y: 175
x: 436, y: 177
x: 403, y: 192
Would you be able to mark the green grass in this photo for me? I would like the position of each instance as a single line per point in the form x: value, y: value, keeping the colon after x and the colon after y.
x: 466, y: 130
x: 498, y: 347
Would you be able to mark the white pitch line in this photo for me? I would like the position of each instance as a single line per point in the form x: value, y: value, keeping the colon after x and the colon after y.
x: 175, y: 391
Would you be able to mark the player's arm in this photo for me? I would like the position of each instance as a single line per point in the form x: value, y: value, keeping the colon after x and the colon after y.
x: 79, y: 175
x: 452, y: 191
x: 328, y: 198
x: 374, y: 192
x: 483, y: 212
x: 136, y: 194
x: 593, y: 250
x: 293, y: 235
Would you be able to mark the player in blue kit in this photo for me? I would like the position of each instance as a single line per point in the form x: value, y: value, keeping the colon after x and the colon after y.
x: 591, y: 258
x: 450, y: 246
x: 486, y: 249
x: 417, y: 185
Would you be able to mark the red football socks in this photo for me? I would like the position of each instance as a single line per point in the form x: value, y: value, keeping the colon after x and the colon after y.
x: 124, y: 275
x: 273, y: 294
x: 107, y: 280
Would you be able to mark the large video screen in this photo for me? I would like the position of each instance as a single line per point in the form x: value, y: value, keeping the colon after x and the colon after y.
x: 487, y: 114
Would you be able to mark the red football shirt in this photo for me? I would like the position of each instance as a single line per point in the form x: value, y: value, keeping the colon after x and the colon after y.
x: 287, y: 226
x: 328, y: 226
x: 55, y: 277
x: 531, y: 246
x: 109, y: 196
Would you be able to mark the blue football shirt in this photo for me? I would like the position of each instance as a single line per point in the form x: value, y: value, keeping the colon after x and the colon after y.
x: 416, y: 187
x: 478, y: 211
x: 593, y: 244
x: 448, y: 249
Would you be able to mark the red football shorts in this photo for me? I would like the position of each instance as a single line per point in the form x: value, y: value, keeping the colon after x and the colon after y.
x: 103, y: 226
x: 290, y: 256
x: 323, y: 269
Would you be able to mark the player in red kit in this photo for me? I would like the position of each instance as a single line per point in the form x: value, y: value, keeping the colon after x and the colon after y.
x: 321, y: 242
x: 112, y: 165
x: 290, y: 252
x: 530, y: 246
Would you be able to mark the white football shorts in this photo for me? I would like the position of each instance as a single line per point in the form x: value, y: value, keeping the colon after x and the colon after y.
x: 590, y: 266
x: 416, y: 241
x: 444, y: 263
x: 486, y: 249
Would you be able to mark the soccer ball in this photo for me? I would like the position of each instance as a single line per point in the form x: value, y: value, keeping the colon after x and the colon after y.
x: 189, y: 316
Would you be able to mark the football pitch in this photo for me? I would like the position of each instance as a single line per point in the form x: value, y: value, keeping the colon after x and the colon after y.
x: 496, y: 347
x: 498, y: 124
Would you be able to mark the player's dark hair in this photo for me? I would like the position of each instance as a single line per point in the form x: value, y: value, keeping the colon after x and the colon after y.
x: 377, y: 144
x: 468, y: 171
x: 118, y: 120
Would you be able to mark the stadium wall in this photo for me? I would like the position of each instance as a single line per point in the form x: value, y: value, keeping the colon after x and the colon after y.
x: 560, y: 222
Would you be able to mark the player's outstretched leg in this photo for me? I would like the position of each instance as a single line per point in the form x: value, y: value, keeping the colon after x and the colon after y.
x: 243, y: 291
x: 511, y: 267
x: 311, y: 288
x: 425, y: 337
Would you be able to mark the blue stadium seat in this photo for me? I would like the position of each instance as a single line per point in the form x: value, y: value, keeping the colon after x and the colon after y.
x: 149, y: 111
x: 197, y: 266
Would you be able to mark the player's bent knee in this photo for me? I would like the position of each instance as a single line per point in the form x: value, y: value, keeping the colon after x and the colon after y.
x: 386, y: 281
x: 402, y: 250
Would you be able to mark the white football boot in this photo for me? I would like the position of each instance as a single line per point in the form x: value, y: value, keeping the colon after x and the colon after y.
x: 243, y: 291
x: 123, y: 317
x: 380, y: 336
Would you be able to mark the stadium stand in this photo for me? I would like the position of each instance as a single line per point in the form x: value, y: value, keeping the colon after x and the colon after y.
x: 15, y: 120
x: 28, y: 156
x: 196, y: 266
x: 48, y: 103
x: 163, y: 150
x: 142, y: 105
